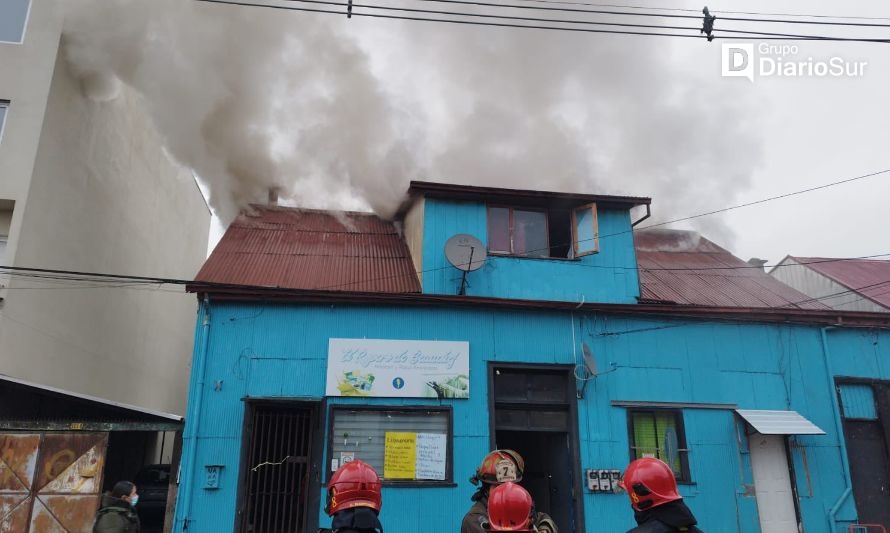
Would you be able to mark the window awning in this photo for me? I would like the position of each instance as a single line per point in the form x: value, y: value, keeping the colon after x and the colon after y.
x: 779, y: 422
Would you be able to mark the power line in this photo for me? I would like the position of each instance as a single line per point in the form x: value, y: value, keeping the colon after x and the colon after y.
x: 565, y: 21
x: 657, y: 15
x: 350, y: 12
x: 771, y: 198
x: 687, y: 10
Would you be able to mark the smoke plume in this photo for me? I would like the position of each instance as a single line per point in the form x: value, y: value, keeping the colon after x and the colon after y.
x: 342, y: 113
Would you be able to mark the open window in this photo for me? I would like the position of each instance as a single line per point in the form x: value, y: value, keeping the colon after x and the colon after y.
x: 585, y: 230
x: 542, y: 232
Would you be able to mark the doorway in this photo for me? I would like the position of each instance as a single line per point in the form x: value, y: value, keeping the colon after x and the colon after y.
x: 865, y: 408
x: 534, y: 412
x: 278, y: 491
x: 772, y: 484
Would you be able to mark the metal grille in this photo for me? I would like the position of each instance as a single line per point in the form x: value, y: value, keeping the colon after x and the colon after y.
x: 278, y: 475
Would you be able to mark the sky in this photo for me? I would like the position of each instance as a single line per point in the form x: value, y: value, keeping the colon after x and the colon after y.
x: 343, y: 113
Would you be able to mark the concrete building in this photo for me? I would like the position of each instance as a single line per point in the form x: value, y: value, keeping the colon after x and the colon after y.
x: 849, y: 284
x: 86, y: 186
x: 579, y: 342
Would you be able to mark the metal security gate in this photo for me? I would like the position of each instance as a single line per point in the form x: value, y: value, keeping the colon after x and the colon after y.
x: 50, y: 482
x: 278, y: 468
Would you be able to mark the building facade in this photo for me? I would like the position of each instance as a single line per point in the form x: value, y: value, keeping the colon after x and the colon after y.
x: 90, y: 370
x: 87, y: 186
x: 582, y: 344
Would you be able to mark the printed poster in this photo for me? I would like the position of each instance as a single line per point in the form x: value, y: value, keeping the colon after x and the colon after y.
x: 409, y: 455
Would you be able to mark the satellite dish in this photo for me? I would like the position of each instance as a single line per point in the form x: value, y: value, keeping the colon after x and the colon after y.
x: 589, y: 361
x: 465, y: 252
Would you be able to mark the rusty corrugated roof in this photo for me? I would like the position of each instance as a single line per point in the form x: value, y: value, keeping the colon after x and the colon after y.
x: 683, y: 267
x: 315, y: 250
x: 869, y: 278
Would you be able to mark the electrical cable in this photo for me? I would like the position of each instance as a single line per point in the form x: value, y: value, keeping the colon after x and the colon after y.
x: 687, y: 10
x: 350, y: 12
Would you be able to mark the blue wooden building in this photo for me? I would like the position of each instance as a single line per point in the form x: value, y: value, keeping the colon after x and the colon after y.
x: 542, y: 322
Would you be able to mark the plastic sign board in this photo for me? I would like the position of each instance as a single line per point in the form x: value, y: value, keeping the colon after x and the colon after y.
x: 398, y: 368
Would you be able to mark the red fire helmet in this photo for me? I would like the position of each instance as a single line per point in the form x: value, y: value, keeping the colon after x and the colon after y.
x: 355, y: 484
x: 510, y: 508
x: 650, y: 483
x: 500, y: 466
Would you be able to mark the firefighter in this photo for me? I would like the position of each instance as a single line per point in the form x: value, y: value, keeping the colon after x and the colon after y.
x: 510, y: 508
x: 499, y: 466
x: 658, y: 506
x: 354, y: 499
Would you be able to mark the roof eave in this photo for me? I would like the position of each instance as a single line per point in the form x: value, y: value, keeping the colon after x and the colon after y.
x: 488, y: 194
x: 818, y: 317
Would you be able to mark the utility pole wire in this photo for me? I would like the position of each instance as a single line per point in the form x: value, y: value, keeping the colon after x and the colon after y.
x: 687, y: 10
x: 763, y: 36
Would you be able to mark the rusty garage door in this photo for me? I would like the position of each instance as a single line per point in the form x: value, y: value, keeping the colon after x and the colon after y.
x: 50, y: 482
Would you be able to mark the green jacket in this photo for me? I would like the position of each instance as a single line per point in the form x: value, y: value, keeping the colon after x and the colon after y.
x: 116, y: 516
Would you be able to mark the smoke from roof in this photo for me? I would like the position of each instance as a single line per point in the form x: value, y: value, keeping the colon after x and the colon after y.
x: 341, y: 113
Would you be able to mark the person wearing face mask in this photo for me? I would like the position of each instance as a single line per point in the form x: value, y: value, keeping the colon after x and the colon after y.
x: 117, y: 513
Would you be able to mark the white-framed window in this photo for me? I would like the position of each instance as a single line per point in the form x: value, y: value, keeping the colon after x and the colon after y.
x: 543, y: 232
x: 13, y: 19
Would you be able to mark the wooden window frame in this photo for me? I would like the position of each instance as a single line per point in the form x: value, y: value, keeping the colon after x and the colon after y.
x: 682, y: 447
x: 596, y: 235
x: 510, y: 227
x: 400, y: 410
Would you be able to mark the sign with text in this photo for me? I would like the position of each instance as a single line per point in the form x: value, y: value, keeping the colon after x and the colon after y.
x: 398, y: 368
x: 409, y: 455
x: 400, y: 455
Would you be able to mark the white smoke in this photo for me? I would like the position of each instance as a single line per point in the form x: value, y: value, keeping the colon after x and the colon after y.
x: 341, y: 113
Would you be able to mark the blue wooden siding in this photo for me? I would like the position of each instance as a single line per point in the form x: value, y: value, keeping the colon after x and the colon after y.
x: 608, y: 276
x: 858, y: 401
x: 280, y: 350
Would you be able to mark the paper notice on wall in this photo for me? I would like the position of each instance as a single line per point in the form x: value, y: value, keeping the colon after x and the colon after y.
x: 431, y: 454
x: 346, y: 457
x: 400, y: 455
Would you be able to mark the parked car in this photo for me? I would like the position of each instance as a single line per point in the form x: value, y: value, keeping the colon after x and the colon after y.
x: 152, y: 482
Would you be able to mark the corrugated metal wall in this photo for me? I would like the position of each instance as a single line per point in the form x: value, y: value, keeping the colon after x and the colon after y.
x: 828, y: 291
x: 858, y: 401
x: 608, y: 276
x: 281, y: 351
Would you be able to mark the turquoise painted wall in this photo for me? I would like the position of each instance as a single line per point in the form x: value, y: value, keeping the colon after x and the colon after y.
x: 609, y: 276
x: 280, y: 350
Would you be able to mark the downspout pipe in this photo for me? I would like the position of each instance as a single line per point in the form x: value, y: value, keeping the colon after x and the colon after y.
x: 838, y: 427
x: 193, y: 417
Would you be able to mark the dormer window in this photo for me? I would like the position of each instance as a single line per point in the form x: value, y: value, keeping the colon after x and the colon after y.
x: 543, y: 232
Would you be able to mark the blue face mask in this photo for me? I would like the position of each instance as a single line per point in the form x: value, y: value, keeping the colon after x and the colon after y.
x: 134, y: 500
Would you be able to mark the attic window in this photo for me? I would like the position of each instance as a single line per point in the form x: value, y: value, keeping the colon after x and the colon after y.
x: 542, y: 232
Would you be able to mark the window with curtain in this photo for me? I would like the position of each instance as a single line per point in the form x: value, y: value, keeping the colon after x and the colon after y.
x: 659, y: 433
